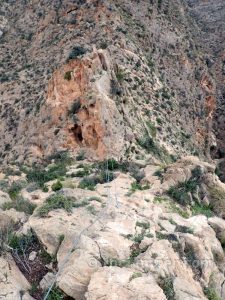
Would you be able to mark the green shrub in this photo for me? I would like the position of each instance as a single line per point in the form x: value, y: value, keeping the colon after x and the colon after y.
x: 45, y: 189
x: 80, y: 156
x: 40, y: 174
x: 201, y: 209
x: 94, y: 198
x: 158, y: 151
x: 56, y: 294
x: 88, y: 183
x: 6, y: 235
x: 184, y: 229
x: 137, y: 186
x: 152, y: 128
x: 180, y: 192
x: 92, y: 209
x: 56, y: 201
x: 211, y: 294
x: 75, y: 107
x: 120, y: 75
x: 81, y: 173
x: 135, y: 275
x: 4, y: 185
x: 57, y: 186
x: 76, y: 51
x: 21, y: 243
x: 145, y: 225
x: 166, y: 285
x: 217, y: 196
x: 34, y: 288
x: 147, y: 143
x: 67, y: 75
x: 20, y: 204
x: 160, y: 199
x: 15, y: 188
x: 110, y: 164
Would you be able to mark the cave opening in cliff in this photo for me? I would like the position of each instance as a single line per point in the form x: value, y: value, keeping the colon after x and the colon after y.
x: 77, y: 132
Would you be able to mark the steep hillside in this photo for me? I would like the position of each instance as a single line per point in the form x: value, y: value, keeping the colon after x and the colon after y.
x: 111, y: 115
x: 117, y: 78
x: 209, y: 16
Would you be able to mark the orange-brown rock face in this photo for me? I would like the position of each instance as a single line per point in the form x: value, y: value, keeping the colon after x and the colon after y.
x: 79, y: 112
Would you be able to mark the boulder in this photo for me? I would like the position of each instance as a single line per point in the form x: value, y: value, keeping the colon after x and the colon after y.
x: 112, y: 283
x: 113, y: 245
x: 77, y: 268
x: 218, y: 225
x: 13, y: 285
x: 184, y: 291
x: 47, y: 280
x: 163, y: 262
x: 58, y: 224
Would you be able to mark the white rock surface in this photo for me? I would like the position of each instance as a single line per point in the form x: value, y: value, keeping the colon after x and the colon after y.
x: 12, y: 282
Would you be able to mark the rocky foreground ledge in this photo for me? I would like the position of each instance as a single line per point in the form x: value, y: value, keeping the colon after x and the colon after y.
x: 135, y: 231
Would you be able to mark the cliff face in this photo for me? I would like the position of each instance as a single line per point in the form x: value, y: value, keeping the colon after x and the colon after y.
x: 209, y: 16
x: 122, y: 78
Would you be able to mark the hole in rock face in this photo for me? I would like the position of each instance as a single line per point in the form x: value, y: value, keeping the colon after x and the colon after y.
x: 77, y: 132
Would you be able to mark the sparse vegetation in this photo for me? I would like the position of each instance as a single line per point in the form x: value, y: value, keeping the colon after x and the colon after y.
x: 184, y: 229
x: 153, y: 147
x: 94, y: 198
x: 120, y: 75
x: 137, y: 186
x: 92, y: 209
x: 201, y: 209
x: 102, y: 176
x: 80, y: 155
x: 56, y: 201
x: 217, y: 196
x: 211, y: 294
x: 20, y: 204
x: 15, y: 188
x: 184, y: 191
x: 160, y: 199
x: 56, y: 294
x: 41, y: 174
x: 67, y: 76
x: 144, y: 225
x: 76, y: 52
x: 57, y: 186
x: 166, y: 285
x: 135, y: 275
x: 88, y: 183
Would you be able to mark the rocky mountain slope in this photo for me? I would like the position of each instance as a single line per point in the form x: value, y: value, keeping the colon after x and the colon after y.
x: 116, y: 77
x: 209, y: 16
x: 112, y: 124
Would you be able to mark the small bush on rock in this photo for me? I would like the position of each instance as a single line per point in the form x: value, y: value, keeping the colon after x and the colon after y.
x: 77, y: 51
x: 217, y: 196
x: 57, y: 186
x: 20, y: 204
x: 55, y: 201
x: 67, y: 75
x: 166, y: 285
